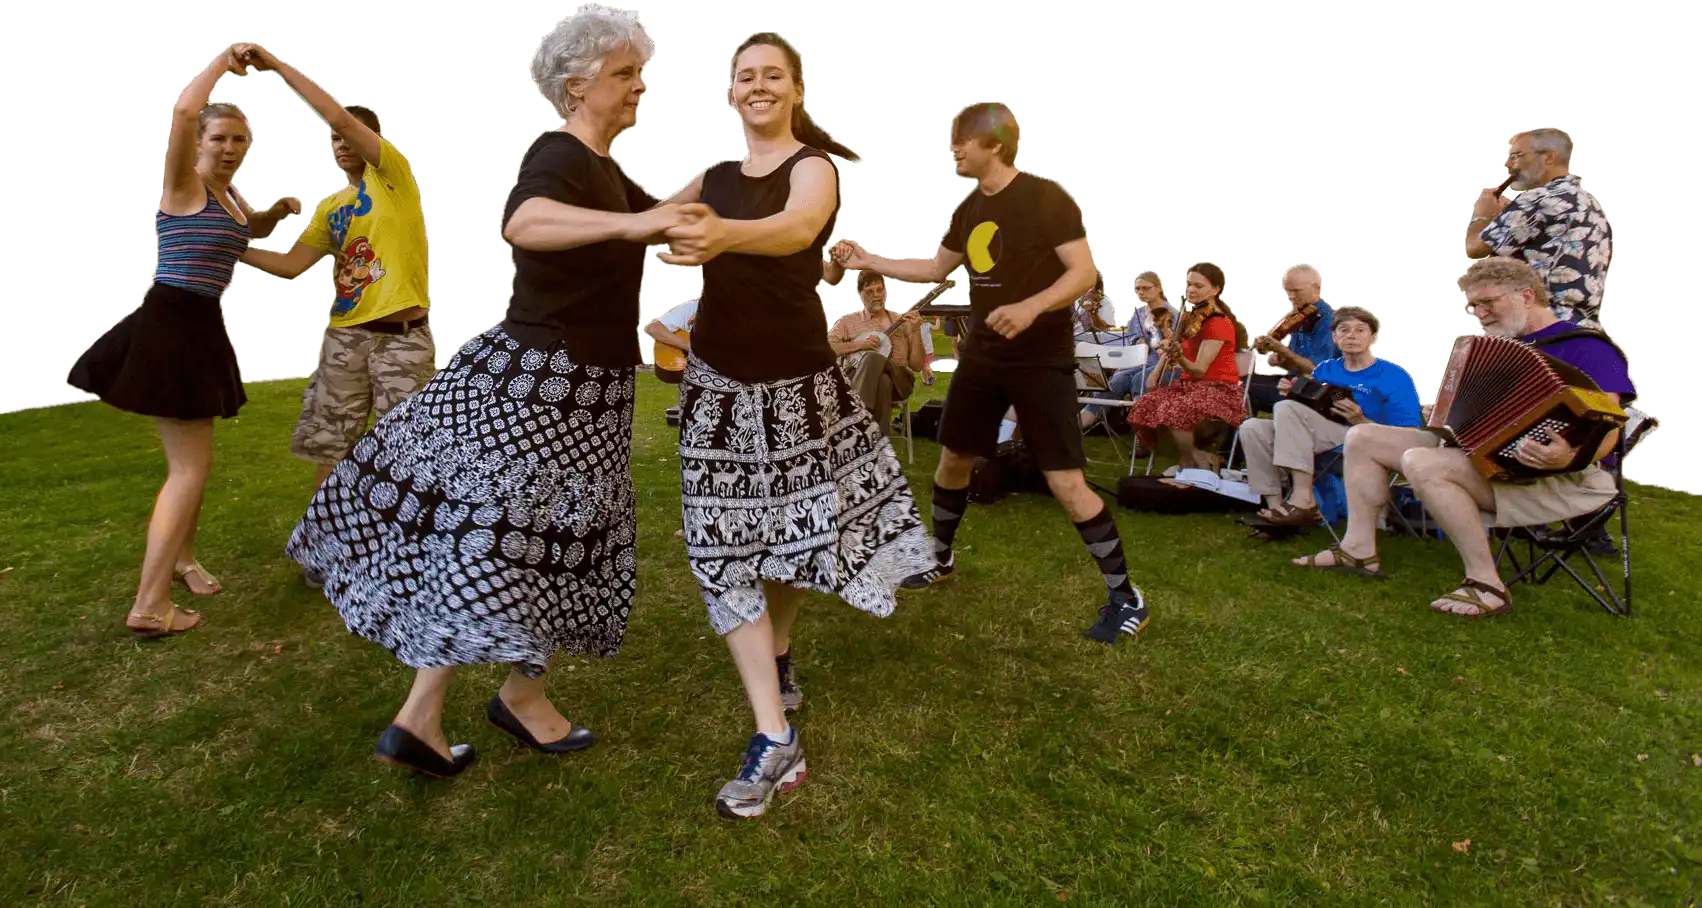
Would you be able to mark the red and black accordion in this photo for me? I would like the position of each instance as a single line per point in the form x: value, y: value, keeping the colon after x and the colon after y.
x: 1496, y: 392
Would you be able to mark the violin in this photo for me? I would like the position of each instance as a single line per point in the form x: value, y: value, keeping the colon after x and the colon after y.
x: 1188, y: 323
x: 1304, y: 317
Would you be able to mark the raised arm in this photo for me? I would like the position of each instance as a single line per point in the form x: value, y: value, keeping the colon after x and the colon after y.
x: 693, y: 192
x: 914, y: 271
x: 287, y: 265
x: 546, y: 225
x: 262, y: 223
x: 813, y: 195
x: 183, y: 188
x: 363, y: 140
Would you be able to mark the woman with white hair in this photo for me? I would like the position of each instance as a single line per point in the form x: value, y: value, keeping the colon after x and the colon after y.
x: 490, y: 518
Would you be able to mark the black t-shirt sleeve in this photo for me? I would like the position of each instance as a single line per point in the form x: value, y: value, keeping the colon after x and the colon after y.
x: 1060, y: 217
x: 552, y: 170
x: 956, y: 236
x: 636, y: 198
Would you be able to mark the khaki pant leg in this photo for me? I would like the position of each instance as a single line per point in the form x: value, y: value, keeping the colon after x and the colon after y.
x: 1302, y: 434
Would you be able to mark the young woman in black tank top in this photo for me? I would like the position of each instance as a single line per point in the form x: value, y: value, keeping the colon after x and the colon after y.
x: 787, y: 482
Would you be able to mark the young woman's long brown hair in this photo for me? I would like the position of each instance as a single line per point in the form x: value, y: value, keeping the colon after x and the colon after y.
x: 804, y: 129
x: 1214, y: 274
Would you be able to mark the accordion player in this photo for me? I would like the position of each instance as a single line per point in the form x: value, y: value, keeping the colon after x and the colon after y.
x: 1497, y: 391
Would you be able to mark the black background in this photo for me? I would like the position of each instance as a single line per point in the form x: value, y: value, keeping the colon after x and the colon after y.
x: 1379, y: 210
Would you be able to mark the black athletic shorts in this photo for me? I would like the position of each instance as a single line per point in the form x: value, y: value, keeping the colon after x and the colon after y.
x: 1046, y: 412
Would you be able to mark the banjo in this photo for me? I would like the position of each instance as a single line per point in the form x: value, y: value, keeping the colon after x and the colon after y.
x: 885, y: 334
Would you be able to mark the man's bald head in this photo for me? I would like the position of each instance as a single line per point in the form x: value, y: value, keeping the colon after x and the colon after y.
x: 1303, y: 285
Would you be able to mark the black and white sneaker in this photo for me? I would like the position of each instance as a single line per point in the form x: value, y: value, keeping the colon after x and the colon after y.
x: 313, y: 578
x: 1119, y: 617
x: 791, y: 695
x: 769, y: 768
x: 930, y: 577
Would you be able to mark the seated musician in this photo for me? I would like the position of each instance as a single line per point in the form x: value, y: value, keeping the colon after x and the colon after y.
x: 880, y: 383
x: 1509, y: 300
x: 1094, y: 316
x: 1307, y: 345
x: 1152, y: 322
x: 1209, y: 386
x: 1383, y: 394
x: 679, y: 318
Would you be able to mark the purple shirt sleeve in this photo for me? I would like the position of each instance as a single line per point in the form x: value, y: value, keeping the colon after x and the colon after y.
x: 1599, y: 362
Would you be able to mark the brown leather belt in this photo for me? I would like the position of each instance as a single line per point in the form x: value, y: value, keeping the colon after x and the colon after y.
x: 394, y: 327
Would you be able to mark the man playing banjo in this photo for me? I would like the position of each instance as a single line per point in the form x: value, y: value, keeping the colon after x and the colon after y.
x: 884, y: 371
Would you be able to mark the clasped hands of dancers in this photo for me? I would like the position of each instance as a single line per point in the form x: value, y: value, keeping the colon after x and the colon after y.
x: 488, y: 516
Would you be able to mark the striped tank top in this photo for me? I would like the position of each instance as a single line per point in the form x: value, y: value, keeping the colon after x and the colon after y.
x: 199, y: 251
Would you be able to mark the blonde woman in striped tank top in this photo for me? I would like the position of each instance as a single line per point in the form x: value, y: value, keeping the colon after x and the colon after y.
x: 171, y: 358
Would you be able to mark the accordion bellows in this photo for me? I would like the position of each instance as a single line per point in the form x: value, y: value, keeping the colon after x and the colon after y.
x: 1497, y: 392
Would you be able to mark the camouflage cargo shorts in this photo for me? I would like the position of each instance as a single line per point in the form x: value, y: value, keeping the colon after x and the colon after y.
x: 361, y: 372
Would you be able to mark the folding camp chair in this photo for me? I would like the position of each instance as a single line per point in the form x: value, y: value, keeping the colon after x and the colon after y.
x: 1554, y: 547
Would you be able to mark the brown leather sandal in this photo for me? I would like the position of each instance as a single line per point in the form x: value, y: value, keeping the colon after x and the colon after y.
x: 150, y: 627
x: 1287, y: 515
x: 1473, y: 595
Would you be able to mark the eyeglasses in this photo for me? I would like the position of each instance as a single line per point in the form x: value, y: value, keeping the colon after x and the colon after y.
x: 1474, y: 306
x: 1514, y: 156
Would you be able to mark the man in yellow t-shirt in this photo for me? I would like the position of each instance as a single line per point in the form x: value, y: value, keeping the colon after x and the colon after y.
x: 378, y: 349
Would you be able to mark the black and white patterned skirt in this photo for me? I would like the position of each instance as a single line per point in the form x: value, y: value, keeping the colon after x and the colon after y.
x: 791, y: 481
x: 490, y: 517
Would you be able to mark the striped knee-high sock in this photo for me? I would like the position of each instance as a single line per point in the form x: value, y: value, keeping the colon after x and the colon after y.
x: 949, y: 505
x: 1099, y: 533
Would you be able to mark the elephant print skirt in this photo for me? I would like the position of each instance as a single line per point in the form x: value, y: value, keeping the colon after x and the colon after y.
x: 791, y: 481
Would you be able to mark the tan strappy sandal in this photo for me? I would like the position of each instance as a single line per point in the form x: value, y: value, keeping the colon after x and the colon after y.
x: 1345, y: 563
x: 149, y: 627
x: 207, y: 579
x: 1473, y: 594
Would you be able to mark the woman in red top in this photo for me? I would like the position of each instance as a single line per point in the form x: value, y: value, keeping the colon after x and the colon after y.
x: 1209, y: 386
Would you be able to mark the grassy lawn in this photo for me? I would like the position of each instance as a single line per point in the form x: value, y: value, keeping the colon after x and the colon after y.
x: 1277, y: 737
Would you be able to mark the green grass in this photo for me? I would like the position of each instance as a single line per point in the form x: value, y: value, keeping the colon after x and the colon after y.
x: 1276, y: 738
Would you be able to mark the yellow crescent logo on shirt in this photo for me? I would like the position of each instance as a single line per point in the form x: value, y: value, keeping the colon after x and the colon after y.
x: 981, y: 256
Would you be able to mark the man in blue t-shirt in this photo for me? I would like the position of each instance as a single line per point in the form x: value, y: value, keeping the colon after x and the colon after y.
x: 1509, y: 300
x: 1308, y: 345
x: 1383, y: 393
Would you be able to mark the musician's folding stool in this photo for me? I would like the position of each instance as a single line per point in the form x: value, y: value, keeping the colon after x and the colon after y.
x: 909, y: 437
x: 1555, y: 548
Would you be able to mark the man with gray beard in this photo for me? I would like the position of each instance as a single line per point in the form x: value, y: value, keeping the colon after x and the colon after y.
x: 1554, y: 226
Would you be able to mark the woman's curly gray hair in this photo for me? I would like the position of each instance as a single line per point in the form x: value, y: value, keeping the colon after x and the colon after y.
x: 577, y: 46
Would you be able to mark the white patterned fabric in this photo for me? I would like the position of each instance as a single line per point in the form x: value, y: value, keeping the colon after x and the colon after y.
x: 489, y: 518
x: 791, y: 481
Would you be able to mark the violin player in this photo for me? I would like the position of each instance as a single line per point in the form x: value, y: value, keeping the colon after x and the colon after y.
x: 1309, y: 340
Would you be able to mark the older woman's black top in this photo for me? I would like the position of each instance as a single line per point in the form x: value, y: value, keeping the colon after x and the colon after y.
x: 584, y: 299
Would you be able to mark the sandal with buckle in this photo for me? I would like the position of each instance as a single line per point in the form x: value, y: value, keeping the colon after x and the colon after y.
x: 1287, y: 515
x: 1473, y: 594
x: 1346, y: 564
x: 149, y: 626
x: 207, y: 579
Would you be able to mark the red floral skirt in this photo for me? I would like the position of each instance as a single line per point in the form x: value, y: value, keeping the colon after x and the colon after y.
x: 1186, y: 404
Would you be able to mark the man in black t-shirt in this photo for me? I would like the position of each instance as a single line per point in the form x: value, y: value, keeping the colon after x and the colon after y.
x: 1022, y: 239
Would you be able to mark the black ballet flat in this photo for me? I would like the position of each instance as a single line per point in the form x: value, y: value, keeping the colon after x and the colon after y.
x: 498, y: 714
x: 399, y: 747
